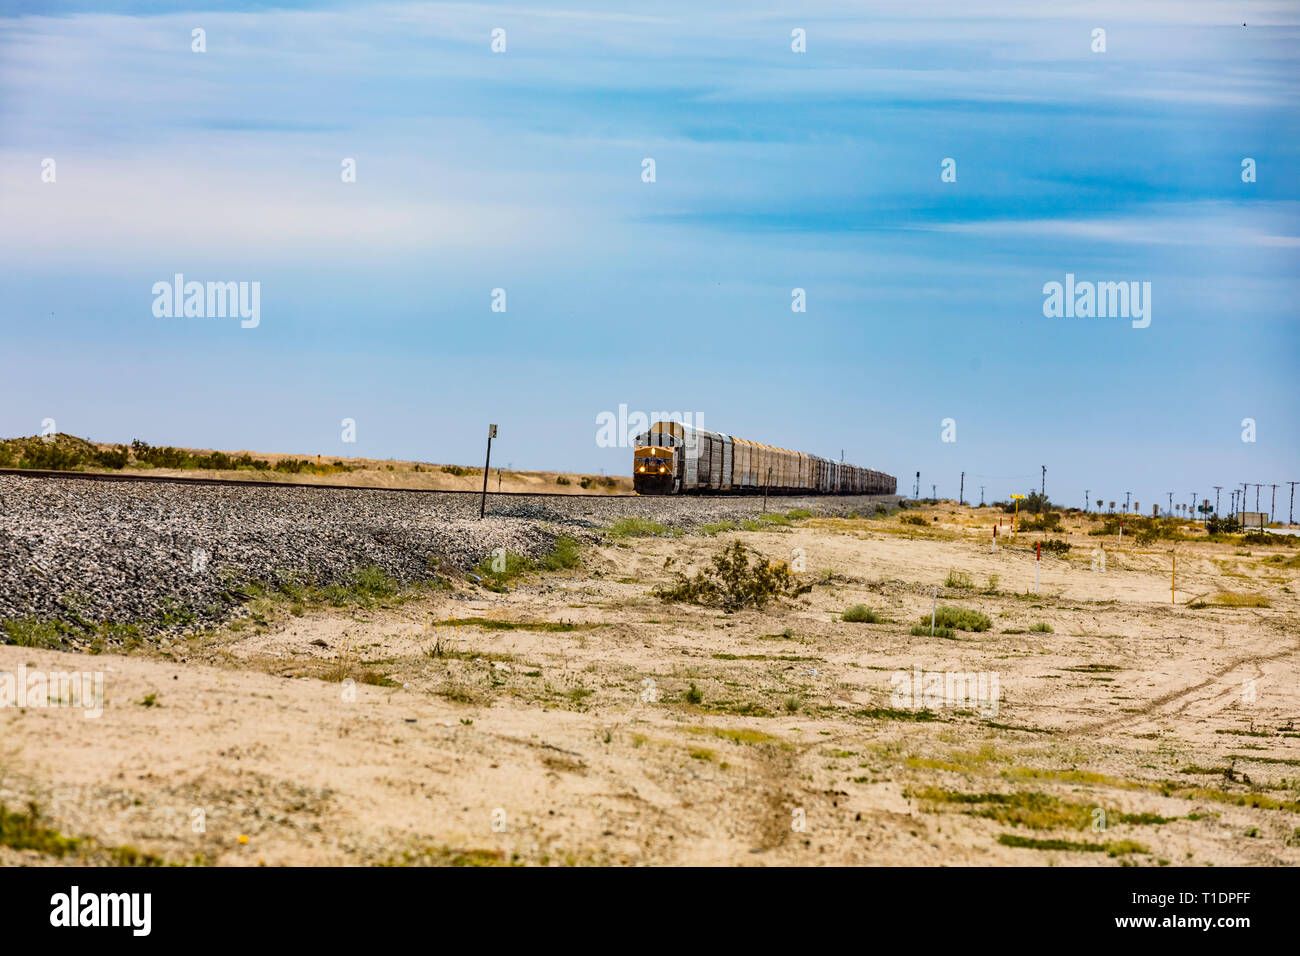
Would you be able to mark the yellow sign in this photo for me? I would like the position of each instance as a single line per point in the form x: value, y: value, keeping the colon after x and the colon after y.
x: 1017, y: 514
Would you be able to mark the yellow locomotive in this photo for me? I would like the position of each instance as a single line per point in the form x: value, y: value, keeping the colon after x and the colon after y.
x: 672, y: 458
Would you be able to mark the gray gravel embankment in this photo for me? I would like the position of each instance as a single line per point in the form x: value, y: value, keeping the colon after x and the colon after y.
x: 126, y: 551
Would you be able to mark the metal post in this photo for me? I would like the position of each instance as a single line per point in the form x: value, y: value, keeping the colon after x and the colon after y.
x: 1038, y: 560
x: 487, y: 462
x: 961, y: 493
x: 1042, y: 488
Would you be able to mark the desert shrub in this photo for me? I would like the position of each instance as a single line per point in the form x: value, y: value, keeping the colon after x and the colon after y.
x: 636, y: 528
x: 1217, y: 525
x: 1264, y: 537
x: 958, y: 579
x: 33, y: 632
x: 911, y: 519
x: 1042, y: 627
x: 565, y: 554
x: 563, y: 481
x: 1050, y: 521
x: 923, y: 630
x: 457, y: 470
x: 860, y: 614
x: 372, y: 582
x: 1055, y: 546
x: 112, y: 457
x: 957, y: 618
x: 164, y: 457
x: 1033, y: 503
x: 1232, y: 599
x: 49, y: 456
x: 731, y: 582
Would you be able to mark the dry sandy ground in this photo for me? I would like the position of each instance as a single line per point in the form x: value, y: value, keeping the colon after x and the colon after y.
x: 1179, y: 724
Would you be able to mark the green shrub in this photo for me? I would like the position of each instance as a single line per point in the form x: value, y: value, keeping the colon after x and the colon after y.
x: 565, y: 554
x: 636, y: 528
x: 958, y: 618
x: 1049, y: 521
x: 372, y: 582
x: 33, y: 632
x: 923, y: 630
x: 958, y: 579
x: 1217, y: 525
x: 860, y: 614
x: 911, y: 519
x: 732, y: 582
x: 1055, y: 546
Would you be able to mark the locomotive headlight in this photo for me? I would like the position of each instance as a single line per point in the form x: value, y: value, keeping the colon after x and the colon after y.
x: 642, y: 468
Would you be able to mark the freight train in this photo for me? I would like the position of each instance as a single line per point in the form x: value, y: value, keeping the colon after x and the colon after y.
x: 672, y: 458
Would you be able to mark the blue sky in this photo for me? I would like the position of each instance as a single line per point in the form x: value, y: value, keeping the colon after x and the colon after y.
x: 775, y: 170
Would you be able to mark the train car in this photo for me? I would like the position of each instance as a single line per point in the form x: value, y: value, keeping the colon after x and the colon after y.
x: 673, y: 458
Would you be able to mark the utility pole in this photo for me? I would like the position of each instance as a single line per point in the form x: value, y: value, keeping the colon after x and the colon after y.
x: 1042, y: 488
x: 982, y: 493
x: 1291, y: 511
x: 1217, y: 489
x: 1127, y: 496
x: 1171, y: 503
x: 1244, y: 486
x: 916, y: 492
x: 1272, y: 509
x: 1192, y: 507
x: 933, y: 493
x: 1257, y: 497
x: 487, y: 462
x: 961, y: 494
x: 1085, y: 500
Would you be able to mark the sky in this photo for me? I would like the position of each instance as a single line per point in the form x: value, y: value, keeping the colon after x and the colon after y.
x: 774, y: 170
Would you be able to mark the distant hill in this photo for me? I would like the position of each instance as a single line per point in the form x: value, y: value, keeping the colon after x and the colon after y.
x: 61, y: 452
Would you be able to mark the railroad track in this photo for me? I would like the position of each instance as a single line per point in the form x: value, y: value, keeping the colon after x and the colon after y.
x: 240, y: 483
